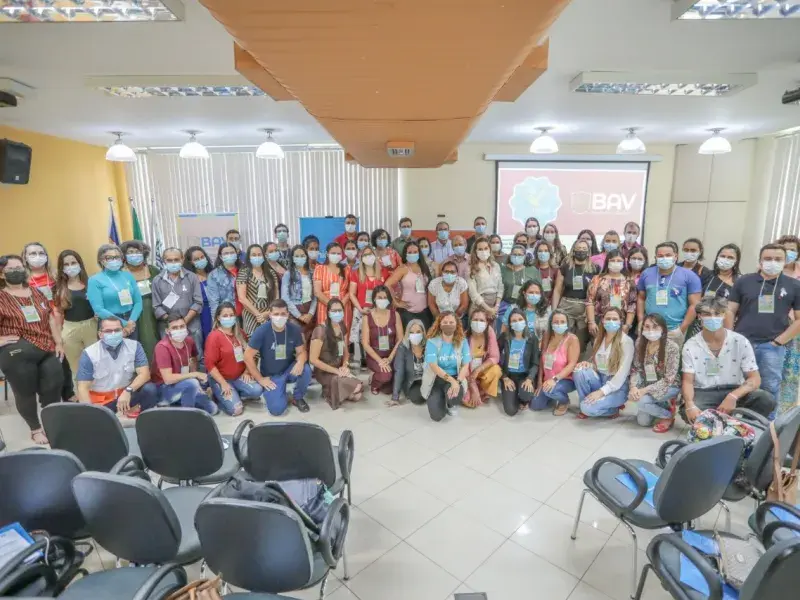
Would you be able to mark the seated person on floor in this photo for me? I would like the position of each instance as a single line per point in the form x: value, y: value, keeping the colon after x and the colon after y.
x: 519, y: 352
x: 719, y: 368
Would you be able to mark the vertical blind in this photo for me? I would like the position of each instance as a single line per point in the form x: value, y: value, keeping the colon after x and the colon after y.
x: 784, y: 196
x: 309, y: 183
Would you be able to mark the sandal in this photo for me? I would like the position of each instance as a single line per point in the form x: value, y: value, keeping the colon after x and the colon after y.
x: 561, y: 410
x: 392, y: 402
x: 664, y: 425
x: 39, y: 438
x: 581, y: 416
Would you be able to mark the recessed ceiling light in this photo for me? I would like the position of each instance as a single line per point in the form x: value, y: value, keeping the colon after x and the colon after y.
x: 716, y: 144
x: 193, y: 148
x: 197, y: 91
x: 631, y: 144
x: 90, y: 11
x: 545, y: 143
x: 269, y: 149
x: 735, y: 9
x: 118, y: 151
x: 662, y: 83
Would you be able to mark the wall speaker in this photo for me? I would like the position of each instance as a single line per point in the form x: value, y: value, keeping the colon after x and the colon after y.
x: 15, y: 162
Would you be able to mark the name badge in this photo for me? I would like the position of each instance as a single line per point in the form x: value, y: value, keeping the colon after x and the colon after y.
x: 515, y: 360
x: 48, y: 293
x: 334, y: 292
x: 340, y: 347
x: 125, y: 298
x: 766, y: 304
x: 515, y: 291
x: 549, y: 361
x: 383, y: 342
x: 144, y: 287
x: 262, y: 290
x: 386, y: 260
x: 662, y: 297
x: 616, y: 301
x: 547, y: 285
x: 712, y: 366
x: 577, y: 282
x: 476, y: 363
x: 171, y: 299
x: 280, y: 351
x: 650, y: 375
x: 368, y: 297
x: 601, y: 361
x: 420, y: 285
x: 238, y: 353
x: 31, y: 314
x: 184, y: 369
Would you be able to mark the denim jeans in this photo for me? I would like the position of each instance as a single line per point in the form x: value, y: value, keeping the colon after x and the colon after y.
x: 769, y: 358
x: 652, y: 408
x: 189, y: 393
x: 277, y: 400
x: 239, y: 389
x: 559, y: 394
x: 145, y: 397
x: 588, y: 381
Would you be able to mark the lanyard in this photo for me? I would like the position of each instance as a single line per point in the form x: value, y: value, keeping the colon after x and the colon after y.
x: 178, y: 352
x: 275, y: 335
x: 668, y: 282
x: 21, y: 305
x: 114, y: 285
x: 230, y: 341
x: 721, y: 283
x: 774, y: 287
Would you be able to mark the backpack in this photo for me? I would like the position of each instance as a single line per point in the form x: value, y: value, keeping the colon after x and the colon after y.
x: 712, y: 423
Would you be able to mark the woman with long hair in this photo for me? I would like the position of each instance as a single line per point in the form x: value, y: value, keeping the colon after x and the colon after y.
x: 311, y: 244
x: 330, y: 358
x: 496, y: 244
x: 602, y: 382
x: 380, y: 338
x: 409, y: 365
x: 790, y: 382
x: 654, y: 381
x: 351, y: 255
x: 534, y: 306
x: 364, y: 279
x: 136, y: 255
x: 637, y: 261
x: 221, y: 282
x: 114, y: 292
x: 273, y: 254
x: 519, y: 352
x: 692, y: 256
x: 485, y: 283
x: 224, y: 355
x: 550, y: 234
x: 297, y: 290
x: 448, y: 292
x: 195, y: 260
x: 484, y: 367
x: 611, y: 243
x: 559, y: 356
x: 425, y: 255
x: 387, y: 257
x: 532, y: 230
x: 611, y: 288
x: 256, y: 287
x: 719, y: 281
x: 588, y: 236
x: 331, y: 282
x: 447, y: 358
x: 570, y: 292
x: 410, y: 283
x: 544, y: 260
x: 513, y: 273
x: 79, y: 329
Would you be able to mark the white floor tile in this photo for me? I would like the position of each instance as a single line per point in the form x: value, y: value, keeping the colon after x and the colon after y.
x: 446, y: 479
x: 403, y: 508
x: 402, y: 456
x: 369, y: 435
x: 532, y: 478
x: 587, y: 592
x: 367, y: 541
x: 611, y: 573
x: 481, y: 455
x: 369, y: 478
x: 498, y: 506
x: 445, y: 435
x: 566, y: 499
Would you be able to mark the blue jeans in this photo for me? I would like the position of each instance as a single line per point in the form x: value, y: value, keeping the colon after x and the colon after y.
x: 145, y: 397
x: 276, y: 400
x: 189, y: 393
x: 588, y: 381
x: 652, y: 408
x: 559, y: 394
x: 239, y: 389
x: 769, y: 358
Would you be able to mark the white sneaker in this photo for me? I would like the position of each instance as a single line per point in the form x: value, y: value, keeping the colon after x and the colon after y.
x: 452, y: 411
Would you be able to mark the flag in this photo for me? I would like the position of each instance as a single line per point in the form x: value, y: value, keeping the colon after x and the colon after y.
x: 137, y: 228
x: 158, y: 235
x: 113, y: 233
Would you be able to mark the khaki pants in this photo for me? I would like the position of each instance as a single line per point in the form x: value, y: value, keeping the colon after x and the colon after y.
x: 77, y: 336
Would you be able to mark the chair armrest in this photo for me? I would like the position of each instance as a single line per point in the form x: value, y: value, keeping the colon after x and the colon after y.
x: 764, y: 508
x: 132, y: 466
x: 9, y: 578
x: 751, y: 417
x: 769, y: 531
x: 664, y: 453
x: 143, y: 593
x: 334, y: 531
x: 711, y: 576
x: 605, y: 495
x: 346, y: 453
x: 237, y: 439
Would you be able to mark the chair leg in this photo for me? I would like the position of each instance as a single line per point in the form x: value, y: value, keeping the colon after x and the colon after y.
x: 578, y: 515
x: 642, y: 580
x: 344, y: 562
x: 203, y: 569
x: 322, y: 586
x: 349, y: 490
x: 727, y: 510
x: 635, y: 555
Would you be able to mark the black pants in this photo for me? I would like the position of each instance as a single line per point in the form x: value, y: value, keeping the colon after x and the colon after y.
x: 760, y: 401
x: 407, y: 316
x: 438, y: 402
x: 415, y: 393
x: 31, y: 371
x: 68, y: 387
x: 513, y: 399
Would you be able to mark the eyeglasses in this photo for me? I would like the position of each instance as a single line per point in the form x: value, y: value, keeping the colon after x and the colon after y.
x: 112, y: 257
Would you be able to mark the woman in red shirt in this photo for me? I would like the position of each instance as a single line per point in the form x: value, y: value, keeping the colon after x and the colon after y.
x: 363, y: 281
x: 224, y: 355
x: 30, y: 344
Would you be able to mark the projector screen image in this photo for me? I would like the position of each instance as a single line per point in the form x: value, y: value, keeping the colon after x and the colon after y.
x: 573, y: 195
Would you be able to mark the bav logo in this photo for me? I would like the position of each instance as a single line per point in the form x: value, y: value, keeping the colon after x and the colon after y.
x: 600, y: 202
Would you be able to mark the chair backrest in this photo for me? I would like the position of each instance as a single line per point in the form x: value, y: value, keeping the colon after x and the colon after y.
x: 758, y: 466
x: 90, y: 431
x: 282, y: 451
x: 129, y: 517
x: 35, y: 489
x: 256, y: 546
x: 695, y: 479
x: 775, y: 575
x: 180, y: 443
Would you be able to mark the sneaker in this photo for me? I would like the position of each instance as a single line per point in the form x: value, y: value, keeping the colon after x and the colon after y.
x: 452, y: 411
x: 302, y: 405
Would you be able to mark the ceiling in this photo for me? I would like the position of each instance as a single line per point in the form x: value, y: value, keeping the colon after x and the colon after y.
x: 590, y: 35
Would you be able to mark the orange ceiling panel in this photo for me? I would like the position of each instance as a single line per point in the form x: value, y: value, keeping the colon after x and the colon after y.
x: 527, y: 72
x: 379, y: 71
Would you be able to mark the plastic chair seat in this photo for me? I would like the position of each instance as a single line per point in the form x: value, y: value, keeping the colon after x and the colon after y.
x: 184, y: 501
x: 133, y: 441
x: 118, y: 584
x: 230, y: 466
x: 780, y: 535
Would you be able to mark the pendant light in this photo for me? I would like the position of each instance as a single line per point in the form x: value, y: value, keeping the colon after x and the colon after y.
x: 716, y: 144
x: 631, y: 144
x: 269, y: 149
x: 193, y: 148
x: 544, y: 144
x: 118, y: 151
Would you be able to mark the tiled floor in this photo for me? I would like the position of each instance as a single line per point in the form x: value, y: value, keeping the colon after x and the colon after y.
x: 479, y: 502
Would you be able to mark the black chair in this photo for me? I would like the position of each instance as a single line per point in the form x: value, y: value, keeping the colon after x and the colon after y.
x: 36, y: 491
x: 765, y: 522
x: 91, y: 432
x: 134, y: 520
x: 183, y: 446
x: 26, y: 575
x: 266, y: 548
x: 691, y: 484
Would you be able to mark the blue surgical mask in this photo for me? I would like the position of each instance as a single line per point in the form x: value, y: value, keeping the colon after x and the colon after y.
x: 299, y: 261
x: 256, y: 261
x: 480, y: 229
x: 282, y: 236
x: 612, y: 326
x: 560, y: 328
x: 405, y: 231
x: 172, y: 267
x: 227, y: 321
x: 112, y: 340
x: 533, y: 299
x: 460, y: 250
x: 383, y: 242
x: 609, y: 246
x: 665, y: 262
x: 361, y: 244
x: 791, y: 256
x: 712, y: 323
x: 517, y: 260
x: 115, y: 264
x: 449, y: 278
x: 273, y: 256
x: 543, y: 256
x: 229, y: 259
x: 443, y: 235
x: 201, y: 263
x: 412, y: 258
x: 72, y: 271
x: 134, y: 260
x: 425, y: 251
x: 336, y: 316
x: 519, y: 326
x: 313, y: 254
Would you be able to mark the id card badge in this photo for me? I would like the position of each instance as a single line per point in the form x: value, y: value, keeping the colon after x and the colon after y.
x: 48, y: 293
x: 601, y: 361
x: 662, y: 297
x: 766, y: 304
x: 710, y: 294
x: 386, y: 260
x: 280, y: 351
x: 170, y: 300
x: 368, y: 297
x: 515, y: 291
x: 238, y: 353
x: 476, y: 363
x: 383, y: 342
x: 184, y: 369
x: 577, y: 282
x: 650, y: 375
x: 340, y: 347
x: 125, y: 298
x: 547, y: 285
x: 514, y: 361
x: 144, y: 287
x: 31, y: 314
x: 334, y: 291
x: 420, y: 285
x: 712, y: 367
x: 262, y: 290
x: 549, y: 361
x: 616, y: 301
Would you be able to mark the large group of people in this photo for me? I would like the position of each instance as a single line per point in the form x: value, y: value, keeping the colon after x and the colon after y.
x: 446, y: 322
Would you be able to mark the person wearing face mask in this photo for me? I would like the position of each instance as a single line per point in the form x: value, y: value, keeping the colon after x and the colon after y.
x: 410, y: 284
x: 532, y: 230
x: 513, y: 273
x: 135, y: 255
x: 175, y: 370
x: 79, y: 330
x: 720, y: 281
x: 114, y: 372
x: 350, y: 257
x: 363, y: 239
x: 611, y: 288
x: 350, y: 229
x: 484, y: 368
x: 425, y: 254
x: 460, y: 256
x: 760, y: 305
x: 560, y: 353
x: 610, y: 244
x: 409, y: 365
x: 602, y: 382
x: 533, y: 304
x: 297, y: 290
x: 400, y: 242
x: 485, y: 280
x: 448, y: 293
x: 570, y: 291
x: 692, y: 256
x: 380, y: 339
x: 441, y: 247
x: 720, y: 369
x: 195, y: 260
x: 637, y: 262
x: 550, y: 235
x: 311, y: 244
x: 113, y: 292
x: 447, y: 360
x: 273, y: 257
x: 654, y: 382
x: 479, y: 226
x: 281, y: 232
x: 221, y: 284
x: 233, y: 237
x: 519, y: 352
x: 387, y: 257
x: 256, y: 287
x: 631, y: 234
x: 496, y: 245
x: 362, y: 284
x: 588, y: 236
x: 177, y: 291
x: 331, y: 281
x: 670, y: 291
x: 790, y: 381
x: 548, y: 269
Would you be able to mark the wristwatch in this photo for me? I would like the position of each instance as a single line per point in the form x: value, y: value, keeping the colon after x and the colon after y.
x: 129, y: 389
x: 555, y: 378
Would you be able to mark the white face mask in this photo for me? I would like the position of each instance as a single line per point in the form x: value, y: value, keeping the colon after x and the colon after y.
x: 483, y: 254
x: 630, y: 238
x: 615, y: 267
x: 178, y: 334
x: 368, y: 259
x: 351, y: 254
x: 37, y: 261
x: 478, y: 326
x: 636, y: 263
x: 382, y: 303
x: 725, y: 263
x: 653, y: 335
x: 334, y: 259
x: 550, y: 237
x: 497, y: 247
x: 532, y: 231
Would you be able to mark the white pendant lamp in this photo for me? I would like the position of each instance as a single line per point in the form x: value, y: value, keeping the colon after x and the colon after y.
x: 269, y: 149
x: 119, y: 152
x: 631, y: 144
x: 193, y: 148
x: 716, y: 144
x: 544, y: 144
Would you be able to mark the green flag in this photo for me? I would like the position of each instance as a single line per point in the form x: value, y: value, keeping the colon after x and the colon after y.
x: 137, y: 229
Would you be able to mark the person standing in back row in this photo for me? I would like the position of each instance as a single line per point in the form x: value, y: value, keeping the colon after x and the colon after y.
x: 400, y: 242
x: 441, y: 248
x: 479, y: 224
x: 350, y: 229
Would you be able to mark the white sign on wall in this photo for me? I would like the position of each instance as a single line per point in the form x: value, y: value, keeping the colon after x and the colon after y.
x: 205, y: 230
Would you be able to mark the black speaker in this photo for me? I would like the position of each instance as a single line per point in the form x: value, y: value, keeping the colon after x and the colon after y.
x: 15, y: 162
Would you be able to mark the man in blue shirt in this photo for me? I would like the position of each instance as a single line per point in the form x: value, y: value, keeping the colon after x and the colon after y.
x: 669, y: 291
x: 441, y: 248
x: 283, y: 360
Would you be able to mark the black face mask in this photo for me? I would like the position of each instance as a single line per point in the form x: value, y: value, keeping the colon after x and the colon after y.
x: 581, y: 255
x: 15, y: 277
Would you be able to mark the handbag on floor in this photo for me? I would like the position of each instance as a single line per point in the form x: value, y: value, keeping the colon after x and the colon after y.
x: 737, y: 557
x: 202, y: 589
x: 784, y: 484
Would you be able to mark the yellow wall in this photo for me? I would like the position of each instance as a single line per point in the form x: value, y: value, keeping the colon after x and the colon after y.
x: 65, y: 205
